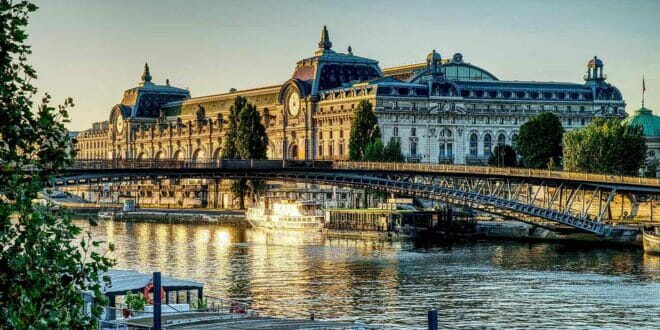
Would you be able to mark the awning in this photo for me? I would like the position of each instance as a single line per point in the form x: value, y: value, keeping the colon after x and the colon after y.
x: 131, y: 280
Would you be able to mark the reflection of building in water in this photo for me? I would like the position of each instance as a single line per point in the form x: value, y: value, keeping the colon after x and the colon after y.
x: 442, y: 110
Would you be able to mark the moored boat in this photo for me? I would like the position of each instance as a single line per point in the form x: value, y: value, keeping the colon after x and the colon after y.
x: 106, y: 215
x: 651, y: 240
x: 285, y: 214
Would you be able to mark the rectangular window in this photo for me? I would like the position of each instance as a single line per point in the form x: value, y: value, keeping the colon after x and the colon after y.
x: 395, y: 131
x: 413, y: 131
x: 413, y: 148
x: 570, y: 121
x: 341, y: 149
x: 341, y: 133
x: 321, y: 151
x: 331, y: 134
x: 581, y: 121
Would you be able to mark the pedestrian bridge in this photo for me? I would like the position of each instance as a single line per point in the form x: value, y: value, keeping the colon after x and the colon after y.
x: 591, y: 202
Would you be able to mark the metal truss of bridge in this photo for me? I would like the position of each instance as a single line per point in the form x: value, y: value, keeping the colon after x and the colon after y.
x: 590, y: 202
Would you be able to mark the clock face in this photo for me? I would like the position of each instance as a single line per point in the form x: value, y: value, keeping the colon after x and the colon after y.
x: 119, y: 124
x: 294, y: 104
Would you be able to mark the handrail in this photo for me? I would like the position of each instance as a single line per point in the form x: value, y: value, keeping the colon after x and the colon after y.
x: 351, y: 165
x: 504, y: 171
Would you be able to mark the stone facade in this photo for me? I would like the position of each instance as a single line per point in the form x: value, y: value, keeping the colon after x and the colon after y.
x: 442, y: 111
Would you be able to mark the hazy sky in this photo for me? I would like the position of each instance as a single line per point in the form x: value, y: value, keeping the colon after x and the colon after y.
x: 94, y: 50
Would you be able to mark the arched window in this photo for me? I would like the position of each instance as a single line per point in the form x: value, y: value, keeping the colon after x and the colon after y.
x: 488, y: 144
x: 199, y: 155
x: 501, y: 139
x: 473, y: 144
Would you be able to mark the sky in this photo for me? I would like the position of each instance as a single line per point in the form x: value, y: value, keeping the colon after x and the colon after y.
x: 94, y: 50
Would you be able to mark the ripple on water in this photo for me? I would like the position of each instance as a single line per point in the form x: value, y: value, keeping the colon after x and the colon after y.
x: 475, y: 285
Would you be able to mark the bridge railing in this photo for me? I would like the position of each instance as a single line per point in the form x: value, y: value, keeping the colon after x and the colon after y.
x: 350, y: 165
x: 120, y: 164
x: 503, y: 171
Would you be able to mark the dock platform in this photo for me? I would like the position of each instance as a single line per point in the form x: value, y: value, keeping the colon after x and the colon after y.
x: 221, y: 321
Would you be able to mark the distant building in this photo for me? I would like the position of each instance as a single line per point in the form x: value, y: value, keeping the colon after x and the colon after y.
x: 651, y: 125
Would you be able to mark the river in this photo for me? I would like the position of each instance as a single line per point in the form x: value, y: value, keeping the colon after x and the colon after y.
x: 393, y: 284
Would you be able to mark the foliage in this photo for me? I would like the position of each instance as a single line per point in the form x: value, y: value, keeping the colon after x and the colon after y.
x: 503, y: 156
x: 393, y: 151
x: 252, y: 138
x: 135, y: 301
x: 539, y: 141
x: 364, y: 130
x: 605, y: 146
x: 45, y: 261
x: 200, y: 304
x: 246, y: 138
x: 374, y: 151
x: 230, y: 147
x: 377, y: 152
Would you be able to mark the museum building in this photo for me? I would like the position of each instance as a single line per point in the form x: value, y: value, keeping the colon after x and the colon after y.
x: 442, y: 110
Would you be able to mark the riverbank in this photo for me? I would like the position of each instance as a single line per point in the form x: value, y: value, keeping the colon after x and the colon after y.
x: 483, y: 229
x: 516, y: 230
x: 184, y: 216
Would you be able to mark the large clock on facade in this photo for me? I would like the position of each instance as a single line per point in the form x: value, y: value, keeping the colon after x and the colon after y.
x: 119, y: 125
x: 294, y: 104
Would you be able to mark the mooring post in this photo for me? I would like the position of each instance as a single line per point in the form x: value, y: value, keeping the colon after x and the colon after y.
x: 157, y: 298
x: 433, y: 319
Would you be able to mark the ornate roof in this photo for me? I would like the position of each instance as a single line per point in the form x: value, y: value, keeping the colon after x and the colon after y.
x: 146, y: 99
x: 328, y: 69
x: 645, y: 118
x: 595, y: 63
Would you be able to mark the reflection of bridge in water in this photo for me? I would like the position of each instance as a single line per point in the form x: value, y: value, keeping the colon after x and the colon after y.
x: 591, y: 202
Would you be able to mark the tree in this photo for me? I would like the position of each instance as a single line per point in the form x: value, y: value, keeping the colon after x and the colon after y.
x: 503, y: 156
x: 246, y: 138
x: 230, y: 147
x: 605, y: 146
x: 393, y: 151
x: 364, y: 130
x: 252, y: 138
x: 651, y: 169
x: 374, y: 151
x: 45, y: 261
x: 539, y: 141
x: 252, y: 143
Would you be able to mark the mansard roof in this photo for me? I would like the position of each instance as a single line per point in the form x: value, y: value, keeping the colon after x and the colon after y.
x: 328, y: 69
x: 147, y: 98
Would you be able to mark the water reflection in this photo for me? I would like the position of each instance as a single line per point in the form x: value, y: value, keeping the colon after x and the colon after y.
x: 499, y: 284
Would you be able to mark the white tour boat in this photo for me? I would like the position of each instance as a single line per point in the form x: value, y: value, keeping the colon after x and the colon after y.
x: 285, y: 214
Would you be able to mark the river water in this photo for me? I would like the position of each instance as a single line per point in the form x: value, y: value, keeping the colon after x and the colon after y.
x: 393, y: 284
